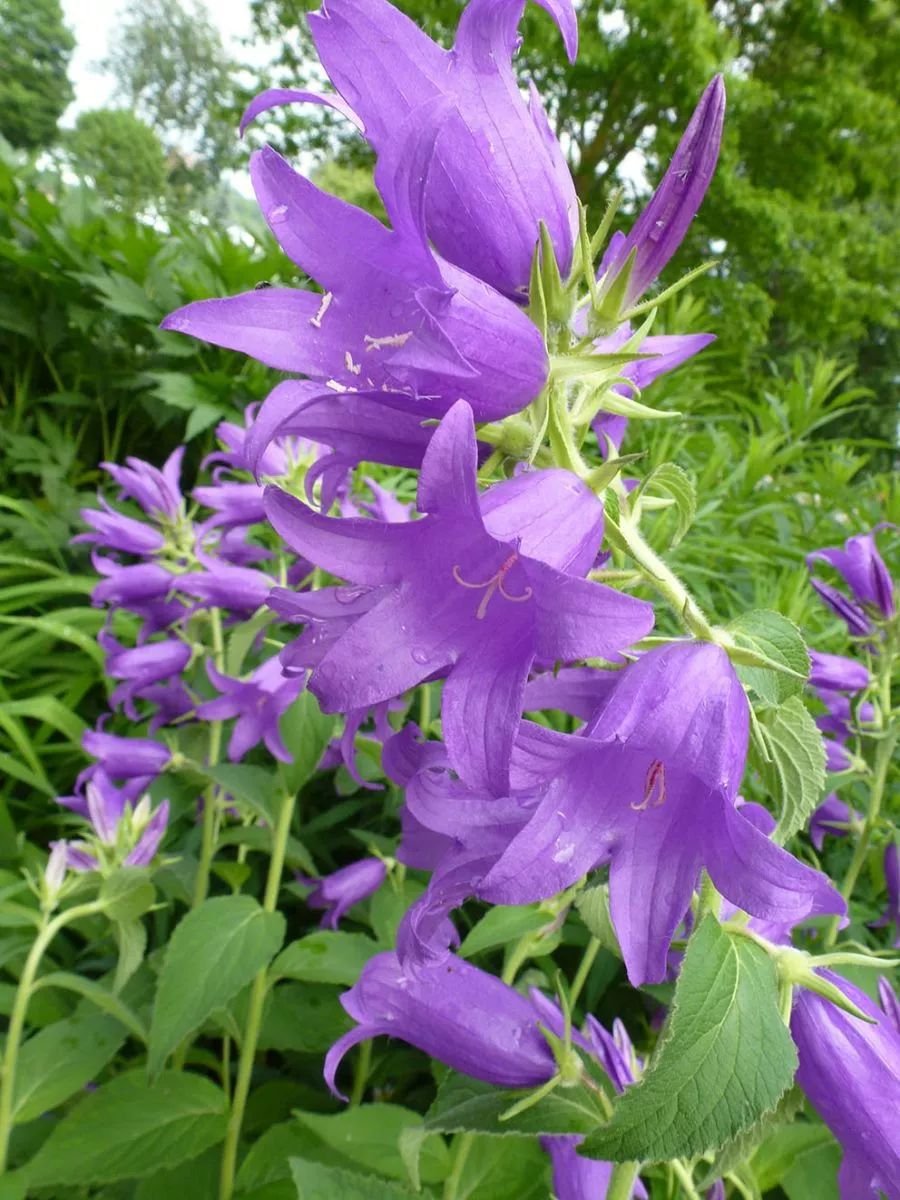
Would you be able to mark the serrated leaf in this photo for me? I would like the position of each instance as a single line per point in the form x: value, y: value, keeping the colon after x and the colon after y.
x: 674, y: 483
x: 99, y: 995
x: 790, y: 763
x: 778, y: 640
x: 325, y: 957
x: 59, y: 1060
x: 315, y: 1181
x: 467, y: 1105
x: 726, y: 1059
x: 130, y: 1128
x: 214, y: 952
x: 370, y: 1135
x: 740, y: 1148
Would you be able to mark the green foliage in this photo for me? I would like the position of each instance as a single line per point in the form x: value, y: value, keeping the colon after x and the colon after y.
x: 787, y: 752
x: 35, y: 48
x: 121, y: 154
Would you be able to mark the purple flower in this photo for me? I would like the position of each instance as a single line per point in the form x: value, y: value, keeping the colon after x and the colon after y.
x: 449, y: 596
x: 158, y: 492
x: 151, y: 835
x: 141, y: 667
x: 850, y: 1071
x: 835, y: 672
x: 239, y: 589
x: 258, y: 703
x: 865, y: 573
x: 659, y: 230
x: 132, y: 587
x: 454, y: 1012
x: 650, y: 788
x: 577, y: 1178
x: 339, y: 891
x: 234, y: 505
x: 832, y: 816
x: 126, y: 758
x: 891, y: 914
x: 497, y: 170
x: 393, y: 317
x: 115, y: 531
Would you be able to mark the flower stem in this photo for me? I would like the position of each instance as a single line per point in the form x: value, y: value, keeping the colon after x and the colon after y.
x: 622, y: 1181
x: 461, y: 1147
x: 46, y: 933
x: 361, y: 1075
x: 210, y: 796
x: 685, y: 1178
x: 258, y: 992
x: 584, y: 967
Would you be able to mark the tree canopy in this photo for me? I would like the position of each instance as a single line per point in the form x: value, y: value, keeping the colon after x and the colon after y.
x: 121, y: 154
x: 35, y: 48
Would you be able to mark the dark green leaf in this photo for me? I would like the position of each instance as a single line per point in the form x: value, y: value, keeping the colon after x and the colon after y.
x: 370, y: 1136
x: 788, y: 753
x: 315, y: 1181
x: 325, y: 957
x: 464, y: 1104
x: 57, y: 1061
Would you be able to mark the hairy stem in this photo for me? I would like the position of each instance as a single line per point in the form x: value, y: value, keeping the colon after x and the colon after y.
x: 622, y: 1181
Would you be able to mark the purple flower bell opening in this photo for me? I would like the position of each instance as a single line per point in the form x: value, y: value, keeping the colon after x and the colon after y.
x: 441, y: 595
x: 339, y: 891
x: 454, y: 1012
x: 650, y: 788
x: 850, y: 1071
x: 836, y: 672
x: 865, y: 573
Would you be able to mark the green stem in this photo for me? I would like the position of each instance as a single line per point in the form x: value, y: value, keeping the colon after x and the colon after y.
x: 255, y: 1009
x: 210, y: 796
x: 665, y: 580
x: 361, y: 1075
x: 47, y: 932
x: 461, y: 1147
x: 584, y: 967
x: 685, y: 1178
x: 622, y: 1181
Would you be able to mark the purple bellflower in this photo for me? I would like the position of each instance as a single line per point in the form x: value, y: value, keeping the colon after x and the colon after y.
x: 156, y: 490
x: 850, y: 1071
x: 258, y: 703
x: 141, y: 667
x: 452, y: 594
x: 891, y: 914
x: 865, y: 573
x: 114, y: 531
x: 125, y: 758
x: 659, y: 230
x: 650, y: 787
x: 454, y: 1012
x: 833, y: 816
x: 393, y: 317
x: 837, y: 673
x: 339, y: 891
x: 498, y: 170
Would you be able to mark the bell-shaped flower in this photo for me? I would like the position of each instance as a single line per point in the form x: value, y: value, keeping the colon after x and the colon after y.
x: 833, y: 817
x: 660, y: 229
x: 140, y: 667
x: 498, y: 170
x: 114, y: 531
x: 478, y: 598
x: 393, y: 316
x: 837, y: 673
x: 650, y: 788
x: 124, y: 757
x: 850, y: 1071
x: 157, y: 490
x: 891, y: 914
x: 865, y: 573
x: 258, y: 703
x: 454, y: 1012
x: 338, y: 892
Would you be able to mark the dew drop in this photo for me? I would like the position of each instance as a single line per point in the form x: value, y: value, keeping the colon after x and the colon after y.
x: 565, y: 853
x: 421, y: 657
x: 277, y: 214
x: 346, y: 595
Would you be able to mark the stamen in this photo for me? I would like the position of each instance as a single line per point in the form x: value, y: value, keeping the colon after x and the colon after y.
x: 323, y: 309
x: 394, y: 339
x: 492, y: 585
x: 654, y: 787
x: 352, y: 367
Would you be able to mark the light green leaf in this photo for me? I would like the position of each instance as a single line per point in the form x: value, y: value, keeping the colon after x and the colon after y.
x: 370, y: 1134
x: 130, y: 1128
x: 325, y: 957
x: 57, y: 1061
x: 786, y: 1149
x: 788, y: 753
x: 252, y: 786
x: 315, y: 1181
x: 675, y: 484
x: 779, y: 641
x: 306, y: 732
x: 127, y: 894
x: 501, y: 926
x: 131, y: 938
x: 467, y: 1105
x: 214, y: 952
x: 512, y: 1170
x: 725, y: 1060
x: 98, y: 995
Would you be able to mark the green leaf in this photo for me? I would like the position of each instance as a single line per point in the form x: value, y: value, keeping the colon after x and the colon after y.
x: 98, y: 995
x: 315, y: 1181
x: 57, y: 1061
x: 306, y: 732
x: 502, y: 925
x: 740, y: 1148
x: 252, y: 786
x: 592, y: 904
x: 788, y: 753
x: 127, y: 894
x: 788, y: 1148
x: 513, y: 1170
x: 675, y: 484
x: 774, y: 638
x: 305, y: 1017
x: 370, y: 1136
x: 131, y: 938
x: 130, y: 1128
x: 725, y: 1060
x: 464, y: 1105
x: 325, y: 957
x: 214, y: 952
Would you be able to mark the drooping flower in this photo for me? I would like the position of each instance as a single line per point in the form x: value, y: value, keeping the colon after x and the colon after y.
x: 140, y: 667
x: 497, y: 170
x: 659, y: 230
x: 393, y: 316
x: 850, y: 1071
x: 157, y: 490
x: 833, y: 816
x: 650, y: 787
x: 837, y: 673
x: 258, y: 702
x: 865, y: 573
x: 339, y: 891
x: 891, y: 914
x: 124, y: 757
x: 450, y: 594
x: 456, y: 1013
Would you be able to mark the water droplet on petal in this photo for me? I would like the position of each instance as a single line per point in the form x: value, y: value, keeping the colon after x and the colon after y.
x: 565, y: 853
x: 346, y: 595
x: 422, y: 657
x: 277, y: 214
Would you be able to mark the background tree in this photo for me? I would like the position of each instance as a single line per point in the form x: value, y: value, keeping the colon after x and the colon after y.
x: 35, y: 48
x: 122, y: 155
x: 171, y: 67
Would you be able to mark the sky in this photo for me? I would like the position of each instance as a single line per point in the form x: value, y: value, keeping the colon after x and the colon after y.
x: 92, y: 22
